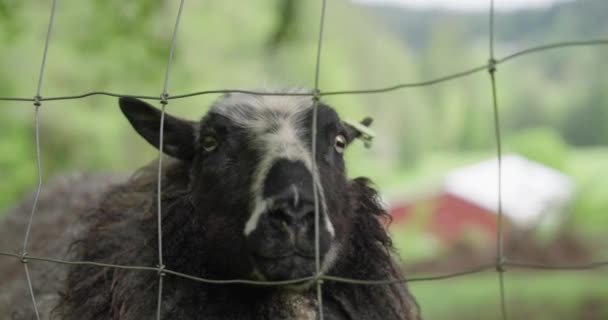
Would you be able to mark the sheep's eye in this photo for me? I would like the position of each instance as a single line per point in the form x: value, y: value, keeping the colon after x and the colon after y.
x: 340, y: 143
x: 209, y: 143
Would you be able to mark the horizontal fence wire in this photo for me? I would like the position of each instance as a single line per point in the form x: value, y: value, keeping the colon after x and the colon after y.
x: 500, y: 266
x: 468, y: 271
x: 446, y: 78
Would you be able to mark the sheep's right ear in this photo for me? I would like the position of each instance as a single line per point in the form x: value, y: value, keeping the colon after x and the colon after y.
x: 178, y: 134
x: 359, y: 130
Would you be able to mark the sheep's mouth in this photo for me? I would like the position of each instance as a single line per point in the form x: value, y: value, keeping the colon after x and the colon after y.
x: 284, y: 255
x: 285, y: 266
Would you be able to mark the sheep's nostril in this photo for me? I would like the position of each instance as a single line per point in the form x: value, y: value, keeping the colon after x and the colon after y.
x: 287, y: 216
x: 280, y: 216
x: 307, y: 216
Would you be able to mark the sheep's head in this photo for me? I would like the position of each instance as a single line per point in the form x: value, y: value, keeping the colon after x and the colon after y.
x: 251, y: 180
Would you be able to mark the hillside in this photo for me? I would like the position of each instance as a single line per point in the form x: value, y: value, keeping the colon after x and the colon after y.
x: 572, y: 20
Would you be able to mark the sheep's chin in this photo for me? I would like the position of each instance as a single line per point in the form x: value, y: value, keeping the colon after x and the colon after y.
x: 296, y: 287
x: 258, y: 276
x: 327, y: 263
x: 300, y: 287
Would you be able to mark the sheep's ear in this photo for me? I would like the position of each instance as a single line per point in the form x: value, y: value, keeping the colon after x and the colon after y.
x: 359, y: 130
x: 178, y: 134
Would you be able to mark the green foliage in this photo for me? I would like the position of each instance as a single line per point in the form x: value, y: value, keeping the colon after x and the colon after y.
x: 21, y: 176
x: 541, y: 144
x: 592, y: 204
x: 588, y: 168
x: 562, y: 89
x: 123, y: 47
x: 585, y: 123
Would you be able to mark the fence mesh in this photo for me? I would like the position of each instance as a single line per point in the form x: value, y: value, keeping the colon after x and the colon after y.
x: 502, y: 263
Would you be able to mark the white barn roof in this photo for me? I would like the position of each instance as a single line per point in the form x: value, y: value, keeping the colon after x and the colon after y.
x: 529, y: 189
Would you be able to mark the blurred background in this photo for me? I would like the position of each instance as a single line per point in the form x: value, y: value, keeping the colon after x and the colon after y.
x: 434, y: 157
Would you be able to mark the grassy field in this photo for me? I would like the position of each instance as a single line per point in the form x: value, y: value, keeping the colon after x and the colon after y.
x: 570, y: 295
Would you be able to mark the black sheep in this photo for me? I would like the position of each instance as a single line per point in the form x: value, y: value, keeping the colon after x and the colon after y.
x: 238, y: 203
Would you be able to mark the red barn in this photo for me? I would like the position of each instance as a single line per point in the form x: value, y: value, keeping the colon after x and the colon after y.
x: 467, y: 199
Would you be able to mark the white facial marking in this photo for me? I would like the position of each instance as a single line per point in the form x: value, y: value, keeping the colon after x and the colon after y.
x: 330, y: 257
x: 261, y: 206
x: 329, y: 226
x: 274, y: 125
x: 296, y: 195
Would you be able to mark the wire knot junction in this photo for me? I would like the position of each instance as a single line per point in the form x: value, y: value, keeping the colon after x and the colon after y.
x: 24, y: 257
x: 500, y: 264
x: 492, y: 65
x: 319, y: 278
x: 316, y: 96
x: 161, y: 270
x: 37, y: 100
x: 164, y: 98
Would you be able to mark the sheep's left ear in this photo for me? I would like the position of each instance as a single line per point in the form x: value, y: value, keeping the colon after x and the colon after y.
x: 178, y: 134
x: 359, y: 130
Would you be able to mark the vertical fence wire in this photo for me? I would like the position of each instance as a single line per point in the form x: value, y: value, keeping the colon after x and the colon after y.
x: 37, y: 105
x: 315, y: 174
x: 163, y: 101
x: 499, y: 217
x: 159, y: 227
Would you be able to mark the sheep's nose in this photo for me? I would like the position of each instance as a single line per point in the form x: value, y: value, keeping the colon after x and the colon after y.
x: 288, y: 181
x: 288, y: 186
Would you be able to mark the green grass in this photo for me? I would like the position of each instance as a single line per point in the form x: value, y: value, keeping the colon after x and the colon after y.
x: 547, y: 295
x: 589, y: 169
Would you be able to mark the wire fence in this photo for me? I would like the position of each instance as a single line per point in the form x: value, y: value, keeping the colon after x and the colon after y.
x: 502, y: 263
